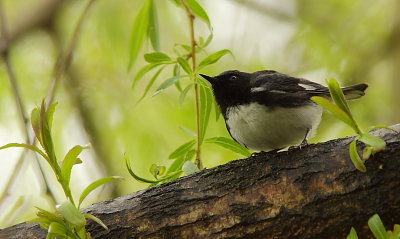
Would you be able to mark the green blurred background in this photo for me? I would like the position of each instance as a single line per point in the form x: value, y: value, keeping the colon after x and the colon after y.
x: 353, y: 41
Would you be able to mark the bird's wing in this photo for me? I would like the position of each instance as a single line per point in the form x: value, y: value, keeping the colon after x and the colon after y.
x: 273, y: 88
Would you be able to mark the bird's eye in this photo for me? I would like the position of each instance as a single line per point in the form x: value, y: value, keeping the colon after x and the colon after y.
x: 233, y: 78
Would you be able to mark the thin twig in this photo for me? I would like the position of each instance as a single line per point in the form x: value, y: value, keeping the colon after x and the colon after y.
x: 196, y: 86
x: 65, y: 58
x: 22, y: 115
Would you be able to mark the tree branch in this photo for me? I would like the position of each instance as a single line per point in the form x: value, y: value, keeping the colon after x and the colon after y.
x: 312, y: 192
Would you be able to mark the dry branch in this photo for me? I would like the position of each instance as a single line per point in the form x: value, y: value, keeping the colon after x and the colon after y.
x: 312, y: 192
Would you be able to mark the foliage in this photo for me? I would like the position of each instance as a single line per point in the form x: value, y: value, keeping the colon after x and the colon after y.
x: 184, y: 78
x: 67, y: 221
x: 341, y: 110
x: 375, y: 224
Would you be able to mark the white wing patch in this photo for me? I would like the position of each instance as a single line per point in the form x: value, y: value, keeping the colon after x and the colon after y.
x: 258, y: 89
x: 307, y: 87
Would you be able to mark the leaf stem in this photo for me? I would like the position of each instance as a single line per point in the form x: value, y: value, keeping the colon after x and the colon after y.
x: 196, y: 87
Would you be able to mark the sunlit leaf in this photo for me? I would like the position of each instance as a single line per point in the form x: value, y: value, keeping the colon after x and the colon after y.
x: 142, y: 72
x: 150, y: 83
x: 95, y: 185
x: 355, y: 157
x: 138, y: 33
x: 71, y: 213
x: 335, y: 110
x: 153, y: 30
x: 189, y: 168
x: 27, y: 146
x: 181, y: 150
x: 69, y: 161
x: 212, y: 58
x: 167, y: 83
x: 140, y: 179
x: 377, y: 227
x: 375, y: 142
x: 206, y: 102
x: 229, y: 144
x: 185, y: 65
x: 198, y: 11
x: 156, y: 57
x: 352, y: 234
x: 96, y: 219
x: 183, y: 94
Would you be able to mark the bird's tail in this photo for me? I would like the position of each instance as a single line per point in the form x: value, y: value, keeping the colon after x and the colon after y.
x: 354, y: 91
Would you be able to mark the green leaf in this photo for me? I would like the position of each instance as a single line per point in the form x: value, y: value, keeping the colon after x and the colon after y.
x: 46, y: 136
x: 182, y: 150
x: 94, y: 185
x: 153, y: 30
x: 355, y: 157
x: 229, y: 144
x: 35, y: 121
x: 69, y: 161
x: 151, y: 82
x: 377, y: 227
x: 183, y: 94
x: 50, y: 113
x: 206, y: 102
x: 340, y: 101
x: 189, y: 168
x: 71, y: 213
x: 198, y: 11
x: 49, y: 216
x: 140, y: 179
x: 375, y: 142
x: 369, y: 129
x: 142, y: 72
x: 27, y: 146
x: 212, y: 58
x: 367, y: 151
x: 156, y: 57
x: 138, y: 34
x: 56, y: 230
x: 185, y: 65
x: 352, y: 234
x: 396, y: 232
x: 157, y: 170
x: 96, y: 219
x: 335, y: 110
x: 167, y: 83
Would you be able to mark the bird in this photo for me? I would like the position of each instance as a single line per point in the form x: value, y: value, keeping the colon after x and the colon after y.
x: 269, y: 111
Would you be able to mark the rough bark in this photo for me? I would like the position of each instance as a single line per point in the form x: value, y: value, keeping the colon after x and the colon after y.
x: 312, y: 192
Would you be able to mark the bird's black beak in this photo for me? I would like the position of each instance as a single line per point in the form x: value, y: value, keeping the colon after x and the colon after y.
x: 208, y: 78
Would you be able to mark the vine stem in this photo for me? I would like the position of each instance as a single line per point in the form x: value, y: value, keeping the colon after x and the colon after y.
x: 196, y: 86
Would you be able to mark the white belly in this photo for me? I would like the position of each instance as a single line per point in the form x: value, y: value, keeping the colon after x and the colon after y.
x: 260, y: 128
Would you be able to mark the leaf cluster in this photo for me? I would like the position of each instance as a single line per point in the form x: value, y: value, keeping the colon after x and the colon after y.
x: 375, y: 224
x: 185, y: 78
x: 67, y: 221
x: 341, y: 110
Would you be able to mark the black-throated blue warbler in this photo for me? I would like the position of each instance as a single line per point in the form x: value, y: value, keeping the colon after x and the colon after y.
x: 267, y: 110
